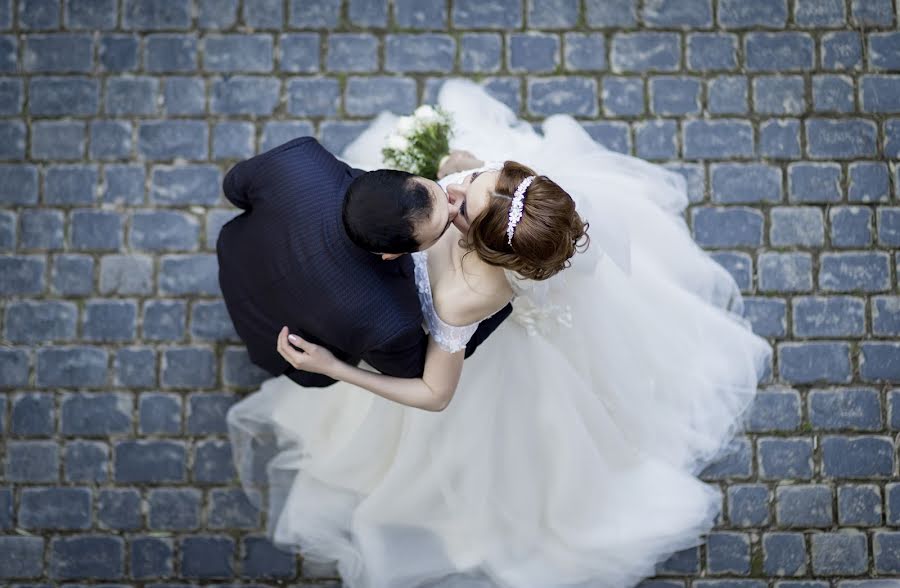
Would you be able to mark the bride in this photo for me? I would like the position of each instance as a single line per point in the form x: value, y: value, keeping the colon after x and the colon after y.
x: 564, y: 453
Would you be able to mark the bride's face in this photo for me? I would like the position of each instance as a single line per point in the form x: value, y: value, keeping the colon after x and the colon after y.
x: 444, y: 209
x: 472, y: 195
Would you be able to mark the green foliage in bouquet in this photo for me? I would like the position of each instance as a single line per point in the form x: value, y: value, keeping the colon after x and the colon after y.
x: 419, y: 142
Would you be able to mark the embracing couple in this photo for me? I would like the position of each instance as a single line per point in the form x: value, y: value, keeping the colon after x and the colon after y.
x: 321, y: 248
x: 611, y: 371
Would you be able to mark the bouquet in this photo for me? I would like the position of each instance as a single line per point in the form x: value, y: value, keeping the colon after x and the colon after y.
x: 419, y: 142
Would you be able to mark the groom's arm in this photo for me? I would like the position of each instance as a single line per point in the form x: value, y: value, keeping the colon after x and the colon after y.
x: 238, y: 184
x: 487, y: 327
x: 402, y: 356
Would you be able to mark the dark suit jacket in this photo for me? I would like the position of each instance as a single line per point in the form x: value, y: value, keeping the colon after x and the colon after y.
x: 287, y: 261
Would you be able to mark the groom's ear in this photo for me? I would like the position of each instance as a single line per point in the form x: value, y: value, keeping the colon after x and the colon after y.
x: 391, y: 256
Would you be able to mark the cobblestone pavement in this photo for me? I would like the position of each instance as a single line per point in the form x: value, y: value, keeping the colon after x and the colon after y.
x: 119, y: 117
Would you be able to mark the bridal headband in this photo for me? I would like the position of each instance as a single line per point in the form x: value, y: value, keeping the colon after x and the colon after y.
x: 610, y: 236
x: 516, y: 208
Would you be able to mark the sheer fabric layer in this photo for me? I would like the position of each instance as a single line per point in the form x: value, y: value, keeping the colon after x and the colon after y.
x: 450, y: 338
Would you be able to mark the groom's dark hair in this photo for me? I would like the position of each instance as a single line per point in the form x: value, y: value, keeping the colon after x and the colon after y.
x: 382, y: 208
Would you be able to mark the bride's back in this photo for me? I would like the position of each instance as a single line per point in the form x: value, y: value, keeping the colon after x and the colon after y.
x: 468, y: 280
x: 465, y: 289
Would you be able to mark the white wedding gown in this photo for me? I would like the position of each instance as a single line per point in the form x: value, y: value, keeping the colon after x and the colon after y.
x: 568, y: 455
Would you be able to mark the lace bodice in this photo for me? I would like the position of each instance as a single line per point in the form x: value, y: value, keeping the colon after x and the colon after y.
x: 450, y: 338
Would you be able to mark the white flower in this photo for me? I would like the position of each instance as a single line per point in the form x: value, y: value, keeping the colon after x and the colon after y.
x: 426, y: 114
x: 397, y: 142
x: 405, y: 124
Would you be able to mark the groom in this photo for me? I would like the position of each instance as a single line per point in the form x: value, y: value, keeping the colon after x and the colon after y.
x: 288, y: 259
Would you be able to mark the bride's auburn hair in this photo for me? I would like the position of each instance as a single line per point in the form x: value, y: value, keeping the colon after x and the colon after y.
x: 547, y: 236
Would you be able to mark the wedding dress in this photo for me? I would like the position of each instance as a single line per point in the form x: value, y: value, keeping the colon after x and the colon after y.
x: 568, y: 455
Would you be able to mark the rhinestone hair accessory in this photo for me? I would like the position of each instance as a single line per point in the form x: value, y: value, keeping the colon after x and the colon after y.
x: 516, y: 208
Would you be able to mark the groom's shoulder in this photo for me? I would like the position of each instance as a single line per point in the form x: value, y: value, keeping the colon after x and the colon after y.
x: 297, y: 144
x: 306, y: 144
x: 305, y: 151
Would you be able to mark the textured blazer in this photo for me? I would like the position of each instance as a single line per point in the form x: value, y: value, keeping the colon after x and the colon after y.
x: 287, y: 261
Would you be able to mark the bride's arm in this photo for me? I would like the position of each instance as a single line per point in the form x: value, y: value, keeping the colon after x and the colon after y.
x: 458, y: 160
x: 432, y: 391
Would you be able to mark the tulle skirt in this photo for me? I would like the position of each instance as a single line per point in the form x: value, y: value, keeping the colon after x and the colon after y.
x: 568, y: 456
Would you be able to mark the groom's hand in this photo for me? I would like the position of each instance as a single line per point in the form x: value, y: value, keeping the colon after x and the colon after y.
x: 458, y: 160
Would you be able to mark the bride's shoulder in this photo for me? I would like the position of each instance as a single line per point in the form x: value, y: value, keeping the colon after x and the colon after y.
x: 474, y: 292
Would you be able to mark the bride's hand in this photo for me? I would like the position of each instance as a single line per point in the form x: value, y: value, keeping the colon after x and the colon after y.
x: 457, y: 160
x: 311, y: 358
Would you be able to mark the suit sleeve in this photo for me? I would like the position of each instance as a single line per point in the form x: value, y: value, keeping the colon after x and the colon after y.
x: 238, y: 181
x: 402, y: 356
x: 308, y: 379
x: 487, y: 327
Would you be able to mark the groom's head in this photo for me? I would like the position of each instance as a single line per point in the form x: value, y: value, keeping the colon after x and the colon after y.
x: 392, y: 212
